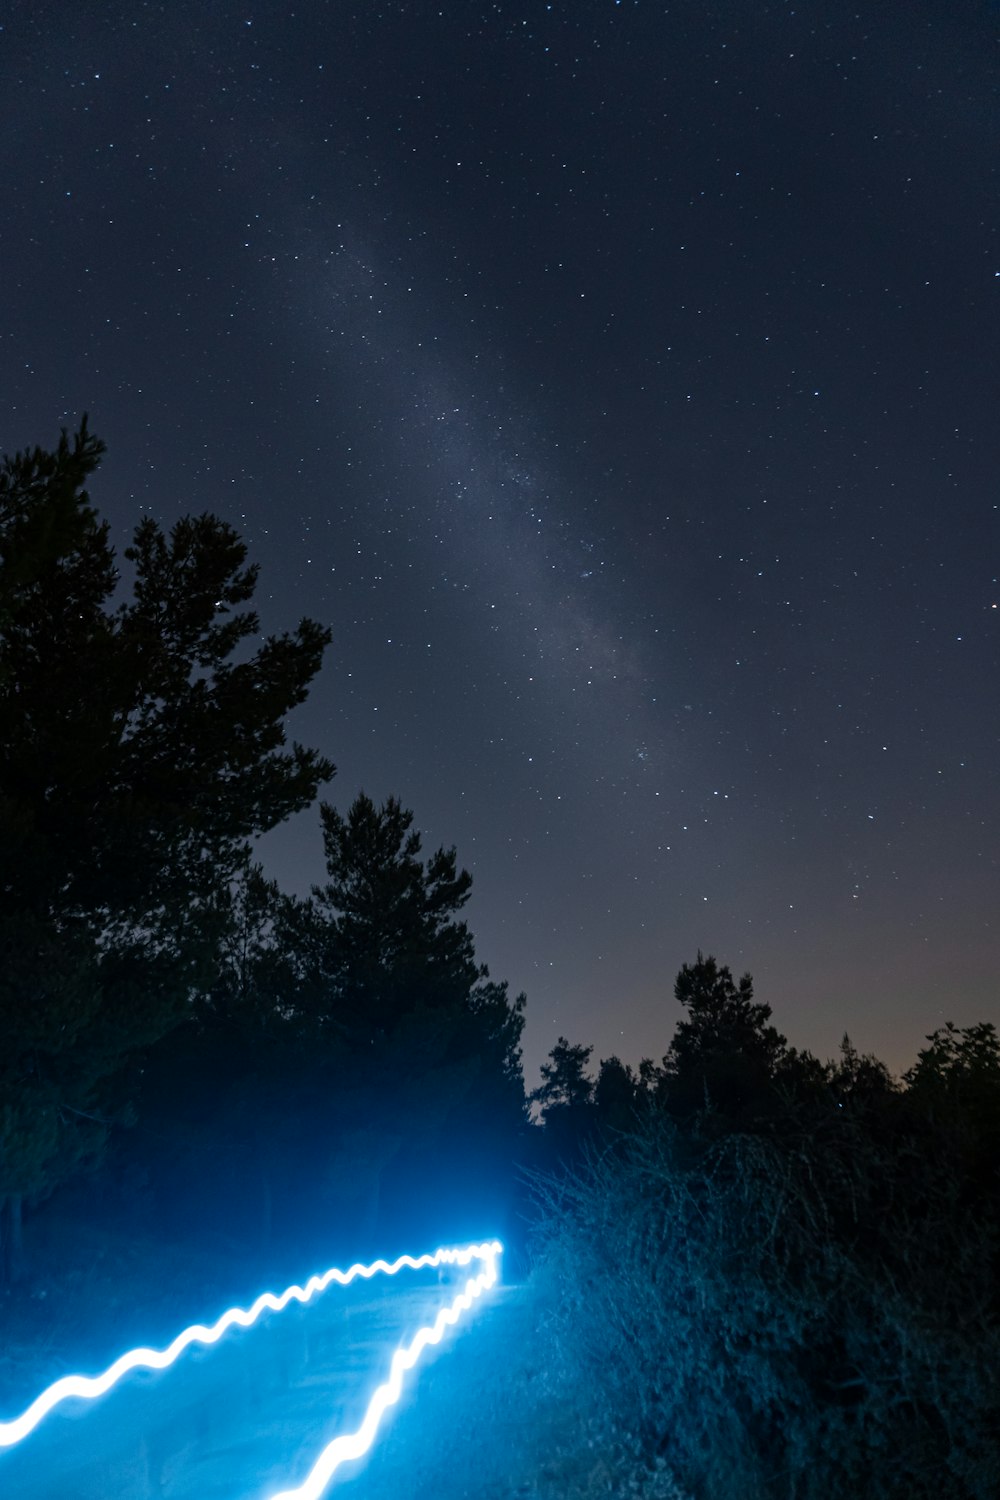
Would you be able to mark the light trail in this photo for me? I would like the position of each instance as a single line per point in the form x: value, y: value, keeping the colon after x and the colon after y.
x: 357, y: 1444
x: 91, y: 1386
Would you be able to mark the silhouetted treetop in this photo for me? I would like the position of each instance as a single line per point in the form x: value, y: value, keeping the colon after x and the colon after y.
x: 565, y: 1083
x: 724, y: 1051
x: 388, y: 918
x: 135, y: 751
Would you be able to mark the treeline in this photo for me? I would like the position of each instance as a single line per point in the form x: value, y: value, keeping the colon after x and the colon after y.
x: 775, y: 1279
x: 197, y: 1052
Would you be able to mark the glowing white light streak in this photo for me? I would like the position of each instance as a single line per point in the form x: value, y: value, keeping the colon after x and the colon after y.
x: 92, y: 1386
x: 356, y: 1444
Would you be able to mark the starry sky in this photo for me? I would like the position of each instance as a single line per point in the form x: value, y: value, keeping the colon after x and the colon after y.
x: 619, y: 382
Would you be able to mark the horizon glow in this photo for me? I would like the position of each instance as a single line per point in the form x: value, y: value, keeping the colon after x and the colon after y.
x: 89, y: 1387
x: 356, y: 1444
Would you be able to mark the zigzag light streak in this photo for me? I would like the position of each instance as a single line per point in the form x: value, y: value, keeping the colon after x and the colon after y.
x: 356, y: 1444
x: 92, y: 1386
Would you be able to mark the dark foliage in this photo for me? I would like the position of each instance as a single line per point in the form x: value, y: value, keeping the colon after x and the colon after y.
x: 350, y: 1063
x: 289, y: 1068
x: 387, y: 920
x: 142, y: 745
x: 724, y: 1053
x: 793, y: 1295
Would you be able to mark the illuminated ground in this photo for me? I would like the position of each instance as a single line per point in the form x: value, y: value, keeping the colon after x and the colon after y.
x: 486, y: 1423
x: 238, y: 1422
x: 242, y: 1419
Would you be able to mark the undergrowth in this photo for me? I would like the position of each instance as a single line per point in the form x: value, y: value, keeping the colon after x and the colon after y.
x: 778, y: 1320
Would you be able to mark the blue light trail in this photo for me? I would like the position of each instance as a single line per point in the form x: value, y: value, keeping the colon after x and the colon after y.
x: 90, y: 1387
x: 356, y: 1444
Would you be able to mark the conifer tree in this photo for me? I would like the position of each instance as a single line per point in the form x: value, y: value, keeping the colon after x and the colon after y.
x: 393, y: 939
x: 142, y: 747
x: 724, y: 1053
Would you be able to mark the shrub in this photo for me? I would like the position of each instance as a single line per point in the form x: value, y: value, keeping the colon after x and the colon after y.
x: 781, y: 1319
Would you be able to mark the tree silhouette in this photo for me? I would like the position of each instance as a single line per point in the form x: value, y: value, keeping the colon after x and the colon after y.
x: 141, y: 748
x: 618, y: 1095
x: 955, y: 1085
x: 392, y: 941
x: 565, y: 1084
x: 724, y: 1053
x: 408, y: 1054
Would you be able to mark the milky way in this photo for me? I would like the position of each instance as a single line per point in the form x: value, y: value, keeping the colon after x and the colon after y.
x: 618, y: 381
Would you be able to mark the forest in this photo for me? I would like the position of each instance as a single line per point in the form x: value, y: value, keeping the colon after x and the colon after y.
x: 764, y: 1274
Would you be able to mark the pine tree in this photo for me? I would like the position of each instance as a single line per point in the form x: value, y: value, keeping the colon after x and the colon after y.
x: 142, y: 747
x: 392, y: 939
x: 724, y: 1052
x: 425, y: 1079
x: 565, y: 1084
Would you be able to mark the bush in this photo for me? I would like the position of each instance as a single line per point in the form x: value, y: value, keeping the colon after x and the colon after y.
x: 782, y: 1319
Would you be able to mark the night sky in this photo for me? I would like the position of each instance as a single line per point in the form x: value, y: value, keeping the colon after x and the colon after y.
x: 619, y: 382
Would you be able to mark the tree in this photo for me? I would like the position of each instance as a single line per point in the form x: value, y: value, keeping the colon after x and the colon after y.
x: 246, y: 1056
x: 859, y: 1079
x: 410, y: 1065
x: 49, y: 996
x: 955, y: 1085
x: 618, y: 1095
x: 142, y: 747
x: 961, y: 1063
x: 724, y: 1053
x: 565, y: 1100
x: 135, y: 749
x: 388, y: 919
x: 565, y: 1084
x: 256, y: 968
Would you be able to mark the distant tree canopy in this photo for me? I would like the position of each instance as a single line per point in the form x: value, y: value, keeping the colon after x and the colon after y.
x: 724, y: 1051
x: 565, y: 1084
x: 724, y: 1057
x: 956, y: 1083
x: 142, y: 747
x: 727, y: 1067
x: 960, y: 1068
